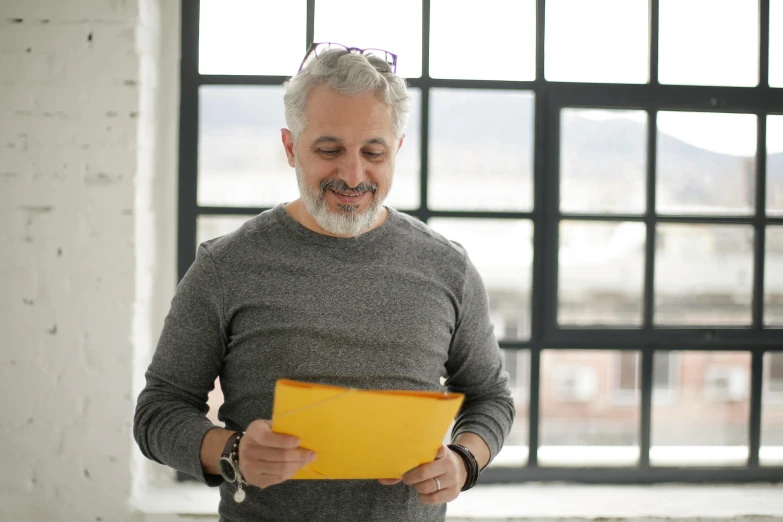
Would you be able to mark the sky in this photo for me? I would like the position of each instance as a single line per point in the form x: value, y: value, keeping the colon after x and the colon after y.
x: 701, y: 42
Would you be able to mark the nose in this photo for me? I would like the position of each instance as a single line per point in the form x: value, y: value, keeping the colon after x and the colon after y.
x: 352, y: 170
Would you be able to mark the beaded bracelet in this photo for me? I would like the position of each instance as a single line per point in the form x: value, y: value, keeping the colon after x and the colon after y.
x: 239, y: 496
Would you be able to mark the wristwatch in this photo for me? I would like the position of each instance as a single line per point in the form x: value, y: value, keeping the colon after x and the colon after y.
x: 229, y: 465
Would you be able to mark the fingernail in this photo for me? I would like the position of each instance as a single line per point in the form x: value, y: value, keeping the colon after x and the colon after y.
x: 311, y: 457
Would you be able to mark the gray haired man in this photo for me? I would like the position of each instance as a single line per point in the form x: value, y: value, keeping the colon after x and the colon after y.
x: 333, y: 288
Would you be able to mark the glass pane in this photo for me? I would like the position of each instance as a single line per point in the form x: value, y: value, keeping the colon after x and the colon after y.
x: 775, y: 165
x: 706, y: 163
x: 773, y: 276
x: 776, y: 43
x: 703, y: 274
x: 406, y: 191
x: 240, y: 37
x: 515, y: 450
x: 603, y: 161
x: 600, y: 273
x: 481, y: 150
x: 705, y: 422
x: 771, y: 452
x: 627, y: 385
x: 502, y: 250
x: 586, y: 418
x: 597, y: 41
x: 241, y: 160
x: 210, y: 227
x: 704, y: 43
x: 512, y: 37
x: 357, y: 23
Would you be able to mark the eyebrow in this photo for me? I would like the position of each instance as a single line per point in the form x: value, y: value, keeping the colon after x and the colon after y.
x: 334, y: 139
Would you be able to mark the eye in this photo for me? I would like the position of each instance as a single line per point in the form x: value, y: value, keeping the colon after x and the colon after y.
x: 329, y: 152
x: 373, y: 154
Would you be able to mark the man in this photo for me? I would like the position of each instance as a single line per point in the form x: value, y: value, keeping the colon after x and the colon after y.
x: 333, y: 288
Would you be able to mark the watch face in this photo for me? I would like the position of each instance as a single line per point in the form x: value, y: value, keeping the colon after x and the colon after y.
x: 227, y: 469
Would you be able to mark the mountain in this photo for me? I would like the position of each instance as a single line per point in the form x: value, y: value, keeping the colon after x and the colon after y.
x: 602, y: 161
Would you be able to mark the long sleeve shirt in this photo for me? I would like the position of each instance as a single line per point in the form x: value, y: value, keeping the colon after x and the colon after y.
x: 399, y: 307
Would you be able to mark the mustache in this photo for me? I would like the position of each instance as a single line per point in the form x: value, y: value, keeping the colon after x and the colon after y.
x: 342, y: 186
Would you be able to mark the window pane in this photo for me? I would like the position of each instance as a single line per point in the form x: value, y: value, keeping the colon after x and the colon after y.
x: 357, y: 23
x: 703, y: 274
x: 776, y: 43
x: 628, y: 368
x: 502, y: 250
x: 706, y: 163
x: 601, y: 273
x: 775, y: 165
x: 498, y: 48
x: 704, y: 43
x: 597, y: 41
x: 773, y: 276
x: 706, y: 423
x: 585, y: 419
x: 481, y: 150
x: 240, y: 37
x: 241, y: 161
x: 210, y: 227
x: 406, y: 186
x: 515, y: 450
x: 603, y: 160
x: 771, y: 451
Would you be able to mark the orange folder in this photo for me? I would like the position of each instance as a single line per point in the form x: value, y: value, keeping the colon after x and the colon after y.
x: 362, y: 434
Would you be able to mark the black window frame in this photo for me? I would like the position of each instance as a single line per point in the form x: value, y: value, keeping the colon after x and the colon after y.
x: 546, y: 334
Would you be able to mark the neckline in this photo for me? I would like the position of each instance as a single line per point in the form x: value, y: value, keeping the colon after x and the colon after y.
x: 312, y: 237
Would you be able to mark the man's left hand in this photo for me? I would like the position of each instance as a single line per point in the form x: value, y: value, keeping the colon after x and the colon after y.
x: 448, y: 468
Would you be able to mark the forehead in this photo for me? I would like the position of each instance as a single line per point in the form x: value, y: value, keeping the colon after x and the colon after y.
x: 344, y: 116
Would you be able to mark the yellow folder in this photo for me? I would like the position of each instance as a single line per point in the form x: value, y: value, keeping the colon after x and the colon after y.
x: 362, y: 434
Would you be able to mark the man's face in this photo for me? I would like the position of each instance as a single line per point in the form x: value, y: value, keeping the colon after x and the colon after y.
x: 344, y: 159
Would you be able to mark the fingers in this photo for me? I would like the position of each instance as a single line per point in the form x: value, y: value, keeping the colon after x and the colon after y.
x: 267, y: 458
x: 445, y: 468
x: 444, y: 495
x: 389, y: 482
x: 261, y: 432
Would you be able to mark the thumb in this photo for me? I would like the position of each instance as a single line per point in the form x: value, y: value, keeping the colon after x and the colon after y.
x: 442, y: 452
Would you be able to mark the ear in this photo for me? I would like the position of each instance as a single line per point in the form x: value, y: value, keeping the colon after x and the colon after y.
x: 288, y: 145
x: 399, y: 144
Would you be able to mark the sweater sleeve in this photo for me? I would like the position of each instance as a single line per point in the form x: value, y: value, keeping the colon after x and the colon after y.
x: 475, y: 368
x: 170, y: 418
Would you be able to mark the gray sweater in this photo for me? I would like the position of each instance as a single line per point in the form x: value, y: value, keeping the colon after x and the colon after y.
x: 396, y: 308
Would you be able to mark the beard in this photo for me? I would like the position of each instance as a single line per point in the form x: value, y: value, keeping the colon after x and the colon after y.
x: 349, y: 221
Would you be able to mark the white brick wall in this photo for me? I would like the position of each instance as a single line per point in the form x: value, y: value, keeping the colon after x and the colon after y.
x: 87, y: 202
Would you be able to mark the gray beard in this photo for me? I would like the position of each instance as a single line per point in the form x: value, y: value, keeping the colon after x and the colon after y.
x: 349, y: 222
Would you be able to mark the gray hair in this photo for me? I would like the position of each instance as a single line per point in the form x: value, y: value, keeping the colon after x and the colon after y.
x: 349, y: 74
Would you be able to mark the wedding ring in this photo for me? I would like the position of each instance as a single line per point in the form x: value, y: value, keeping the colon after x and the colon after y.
x: 437, y: 483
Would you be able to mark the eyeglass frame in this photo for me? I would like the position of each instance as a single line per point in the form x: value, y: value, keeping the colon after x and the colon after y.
x: 314, y: 45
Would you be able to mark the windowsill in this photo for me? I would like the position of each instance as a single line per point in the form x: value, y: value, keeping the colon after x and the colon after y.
x: 540, y: 502
x: 625, y: 456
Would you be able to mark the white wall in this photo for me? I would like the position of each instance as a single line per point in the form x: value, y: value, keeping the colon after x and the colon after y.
x: 87, y: 232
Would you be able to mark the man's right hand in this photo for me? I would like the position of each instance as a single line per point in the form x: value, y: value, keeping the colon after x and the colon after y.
x: 267, y: 458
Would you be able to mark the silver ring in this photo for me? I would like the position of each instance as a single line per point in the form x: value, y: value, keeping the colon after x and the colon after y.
x: 437, y: 483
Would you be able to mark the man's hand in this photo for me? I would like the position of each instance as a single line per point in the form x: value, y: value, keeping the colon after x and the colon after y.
x: 448, y: 467
x: 267, y: 458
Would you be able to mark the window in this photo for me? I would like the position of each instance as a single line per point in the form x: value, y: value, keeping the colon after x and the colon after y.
x: 613, y: 167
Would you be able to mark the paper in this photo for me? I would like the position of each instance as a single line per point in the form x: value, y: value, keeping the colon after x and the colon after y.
x: 362, y: 434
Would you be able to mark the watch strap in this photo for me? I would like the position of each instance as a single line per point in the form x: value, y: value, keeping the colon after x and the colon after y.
x: 229, y: 448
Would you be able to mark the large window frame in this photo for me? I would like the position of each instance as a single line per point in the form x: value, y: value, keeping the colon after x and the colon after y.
x: 550, y: 98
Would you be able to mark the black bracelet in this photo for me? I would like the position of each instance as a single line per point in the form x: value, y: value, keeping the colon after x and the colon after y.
x: 471, y: 465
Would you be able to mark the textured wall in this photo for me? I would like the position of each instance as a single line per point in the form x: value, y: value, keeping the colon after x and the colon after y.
x: 87, y: 202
